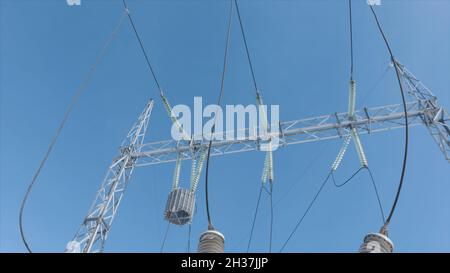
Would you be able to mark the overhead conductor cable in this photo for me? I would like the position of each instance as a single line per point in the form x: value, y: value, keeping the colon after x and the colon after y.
x: 380, y: 242
x: 405, y: 150
x: 212, y: 241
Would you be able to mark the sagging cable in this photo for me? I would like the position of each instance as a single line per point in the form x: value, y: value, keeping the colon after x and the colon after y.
x: 383, y: 230
x: 81, y: 89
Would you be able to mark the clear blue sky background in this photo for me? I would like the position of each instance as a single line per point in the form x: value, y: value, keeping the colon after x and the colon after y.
x: 300, y: 50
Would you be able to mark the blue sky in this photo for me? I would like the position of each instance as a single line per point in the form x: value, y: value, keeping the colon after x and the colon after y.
x: 300, y: 50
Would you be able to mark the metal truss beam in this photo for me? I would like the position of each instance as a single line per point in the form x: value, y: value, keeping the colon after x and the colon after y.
x: 423, y: 110
x: 336, y: 125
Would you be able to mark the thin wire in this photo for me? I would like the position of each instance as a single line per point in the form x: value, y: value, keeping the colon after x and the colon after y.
x: 222, y: 84
x: 377, y: 195
x: 303, y: 173
x: 165, y: 237
x: 81, y: 89
x: 271, y: 216
x: 147, y: 59
x: 351, y: 38
x: 254, y: 217
x: 306, y: 211
x: 246, y: 47
x: 405, y: 153
x: 189, y: 239
x: 377, y: 83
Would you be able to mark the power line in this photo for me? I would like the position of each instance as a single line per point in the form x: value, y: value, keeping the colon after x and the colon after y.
x: 405, y: 152
x: 373, y: 184
x: 306, y: 211
x: 222, y: 84
x: 346, y: 181
x: 165, y: 237
x: 189, y: 239
x: 271, y: 217
x: 81, y: 89
x: 377, y: 195
x: 147, y: 59
x: 246, y: 46
x: 303, y: 173
x: 254, y: 218
x: 376, y: 84
x: 270, y: 193
x: 351, y: 38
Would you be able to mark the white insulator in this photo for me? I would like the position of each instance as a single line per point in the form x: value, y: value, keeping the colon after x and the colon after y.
x: 172, y: 117
x: 180, y: 206
x: 211, y: 241
x: 374, y: 2
x: 167, y: 106
x: 193, y: 170
x: 376, y: 243
x: 341, y: 153
x: 359, y: 148
x: 199, y: 170
x: 352, y: 99
x: 266, y: 167
x: 270, y: 170
x: 197, y: 166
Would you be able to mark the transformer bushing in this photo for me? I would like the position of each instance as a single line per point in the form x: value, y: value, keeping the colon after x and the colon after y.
x: 180, y: 206
x: 211, y: 241
x: 376, y: 243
